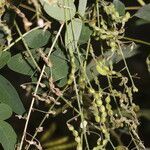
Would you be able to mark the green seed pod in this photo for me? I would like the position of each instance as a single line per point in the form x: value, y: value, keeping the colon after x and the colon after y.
x: 108, y: 106
x: 104, y: 115
x: 97, y: 119
x: 107, y: 99
x: 112, y: 44
x: 79, y: 147
x: 103, y: 119
x: 107, y: 135
x: 71, y: 77
x: 96, y: 95
x: 102, y: 108
x: 103, y: 37
x: 99, y: 102
x: 91, y: 91
x: 75, y: 133
x: 77, y: 139
x: 96, y: 38
x: 99, y: 141
x: 110, y: 112
x: 70, y: 127
x: 105, y: 141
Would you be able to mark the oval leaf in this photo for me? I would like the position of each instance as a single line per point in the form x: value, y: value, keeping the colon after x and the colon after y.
x: 59, y: 65
x: 85, y: 34
x: 9, y: 95
x: 20, y: 64
x: 62, y: 10
x: 144, y: 13
x: 120, y: 7
x: 62, y: 82
x: 73, y: 32
x: 82, y: 7
x: 37, y: 38
x: 8, y: 136
x: 5, y: 111
x: 141, y: 22
x: 4, y: 57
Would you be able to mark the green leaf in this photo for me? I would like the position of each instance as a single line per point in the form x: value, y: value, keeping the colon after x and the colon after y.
x: 73, y: 32
x: 60, y: 67
x: 8, y: 137
x: 62, y: 82
x: 82, y: 7
x: 24, y: 65
x: 21, y: 64
x: 9, y: 95
x: 140, y: 22
x: 120, y: 7
x: 37, y: 38
x: 5, y: 111
x: 85, y: 34
x: 4, y: 57
x: 62, y: 10
x: 144, y: 13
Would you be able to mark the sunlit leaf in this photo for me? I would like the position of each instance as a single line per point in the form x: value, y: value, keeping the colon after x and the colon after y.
x: 73, y: 32
x: 8, y: 137
x: 62, y: 10
x: 9, y: 95
x: 144, y: 13
x: 82, y: 7
x: 120, y: 7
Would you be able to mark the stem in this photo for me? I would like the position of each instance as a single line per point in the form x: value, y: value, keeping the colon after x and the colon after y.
x: 141, y: 2
x: 17, y: 40
x: 26, y: 46
x: 32, y: 10
x: 81, y: 113
x: 36, y: 89
x: 136, y: 40
x: 133, y: 8
x: 132, y: 82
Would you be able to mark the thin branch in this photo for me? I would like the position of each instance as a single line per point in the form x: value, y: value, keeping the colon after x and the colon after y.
x: 36, y: 89
x: 136, y: 40
x: 26, y: 46
x: 17, y: 40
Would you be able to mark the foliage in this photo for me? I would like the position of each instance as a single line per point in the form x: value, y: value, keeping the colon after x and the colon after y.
x: 68, y: 73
